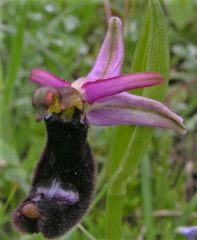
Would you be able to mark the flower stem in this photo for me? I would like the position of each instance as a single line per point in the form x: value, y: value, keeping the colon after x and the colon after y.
x: 147, y: 198
x: 114, y: 215
x: 129, y: 145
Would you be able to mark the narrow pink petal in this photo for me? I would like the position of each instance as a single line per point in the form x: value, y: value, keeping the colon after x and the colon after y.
x: 45, y: 78
x: 94, y: 91
x: 128, y: 109
x: 110, y: 58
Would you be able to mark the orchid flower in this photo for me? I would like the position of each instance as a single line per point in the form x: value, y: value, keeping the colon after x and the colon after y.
x: 189, y: 232
x: 102, y: 95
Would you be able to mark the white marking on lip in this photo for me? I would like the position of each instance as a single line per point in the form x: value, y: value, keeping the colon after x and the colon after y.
x: 56, y: 192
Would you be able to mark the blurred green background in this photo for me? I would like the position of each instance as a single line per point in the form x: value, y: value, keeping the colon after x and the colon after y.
x: 64, y: 37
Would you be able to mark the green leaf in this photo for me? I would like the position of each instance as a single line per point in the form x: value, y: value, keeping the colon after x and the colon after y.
x: 152, y: 54
x: 8, y: 155
x: 187, y: 210
x: 1, y: 77
x: 156, y: 59
x: 12, y: 73
x: 16, y: 55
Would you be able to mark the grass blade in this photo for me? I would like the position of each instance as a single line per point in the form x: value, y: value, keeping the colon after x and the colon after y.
x: 16, y: 55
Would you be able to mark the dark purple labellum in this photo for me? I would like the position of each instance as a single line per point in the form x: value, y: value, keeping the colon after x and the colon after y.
x: 63, y: 180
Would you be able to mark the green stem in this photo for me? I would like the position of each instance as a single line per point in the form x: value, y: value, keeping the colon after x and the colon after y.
x: 134, y: 153
x: 86, y: 233
x: 147, y: 198
x: 123, y: 133
x: 152, y: 54
x: 9, y: 199
x: 117, y: 188
x: 114, y: 215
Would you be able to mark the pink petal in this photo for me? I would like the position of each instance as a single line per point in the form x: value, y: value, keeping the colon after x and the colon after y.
x: 128, y: 109
x: 45, y: 78
x: 110, y: 58
x: 94, y: 91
